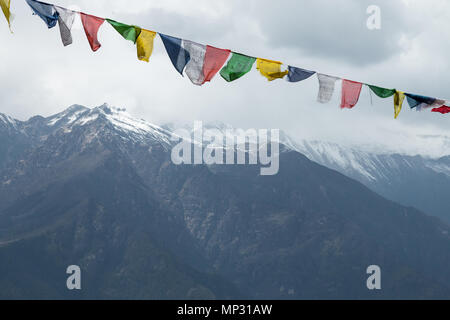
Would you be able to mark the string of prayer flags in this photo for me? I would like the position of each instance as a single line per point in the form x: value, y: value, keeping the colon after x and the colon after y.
x: 6, y: 8
x: 270, y: 69
x: 215, y: 58
x: 238, y: 66
x: 194, y: 68
x: 399, y: 97
x: 326, y: 87
x: 443, y: 110
x: 351, y: 91
x: 91, y: 24
x: 177, y: 54
x: 202, y: 62
x: 126, y: 31
x: 45, y: 11
x: 144, y: 44
x: 66, y: 19
x: 382, y: 92
x: 298, y: 74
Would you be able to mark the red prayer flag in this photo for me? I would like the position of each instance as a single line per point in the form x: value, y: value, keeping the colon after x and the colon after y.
x: 443, y: 110
x: 215, y: 58
x: 91, y: 24
x: 350, y: 93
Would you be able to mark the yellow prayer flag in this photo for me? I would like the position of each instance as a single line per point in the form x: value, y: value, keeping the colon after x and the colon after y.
x: 5, y: 4
x: 270, y: 69
x: 144, y: 44
x: 399, y: 97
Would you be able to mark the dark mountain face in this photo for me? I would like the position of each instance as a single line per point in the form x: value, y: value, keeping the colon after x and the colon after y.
x: 96, y: 188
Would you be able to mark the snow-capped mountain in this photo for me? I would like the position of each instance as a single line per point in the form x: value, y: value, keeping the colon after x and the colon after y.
x: 117, y: 119
x: 97, y: 188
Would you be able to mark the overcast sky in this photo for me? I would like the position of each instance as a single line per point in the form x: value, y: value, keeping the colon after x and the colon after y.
x: 410, y: 53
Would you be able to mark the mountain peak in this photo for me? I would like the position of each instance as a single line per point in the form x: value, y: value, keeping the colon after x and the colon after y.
x: 126, y: 125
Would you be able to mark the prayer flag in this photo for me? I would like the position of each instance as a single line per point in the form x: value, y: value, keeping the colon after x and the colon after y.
x: 6, y: 5
x: 443, y: 110
x: 91, y: 24
x: 215, y: 58
x: 416, y: 100
x: 194, y: 68
x: 326, y: 87
x: 298, y: 74
x: 350, y: 93
x: 126, y: 31
x: 270, y: 69
x: 144, y: 44
x: 177, y: 54
x: 65, y: 21
x: 399, y: 97
x: 237, y: 66
x: 382, y: 92
x: 45, y: 11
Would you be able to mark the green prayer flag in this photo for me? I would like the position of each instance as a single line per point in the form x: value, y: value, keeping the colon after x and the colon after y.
x: 382, y: 92
x: 237, y: 66
x: 128, y: 32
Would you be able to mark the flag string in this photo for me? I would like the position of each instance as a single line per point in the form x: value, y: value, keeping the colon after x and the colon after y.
x: 201, y: 63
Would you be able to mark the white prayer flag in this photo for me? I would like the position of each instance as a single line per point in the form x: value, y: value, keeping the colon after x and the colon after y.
x: 326, y: 87
x: 65, y: 21
x: 194, y: 68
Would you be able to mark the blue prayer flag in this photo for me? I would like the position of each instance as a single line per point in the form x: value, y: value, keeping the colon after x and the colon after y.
x: 45, y: 11
x: 178, y: 55
x: 416, y: 100
x: 298, y: 74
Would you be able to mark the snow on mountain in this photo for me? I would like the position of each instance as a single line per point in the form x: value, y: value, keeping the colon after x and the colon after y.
x: 7, y: 119
x: 130, y: 128
x: 366, y: 166
x: 67, y: 117
x: 348, y: 160
x: 9, y: 124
